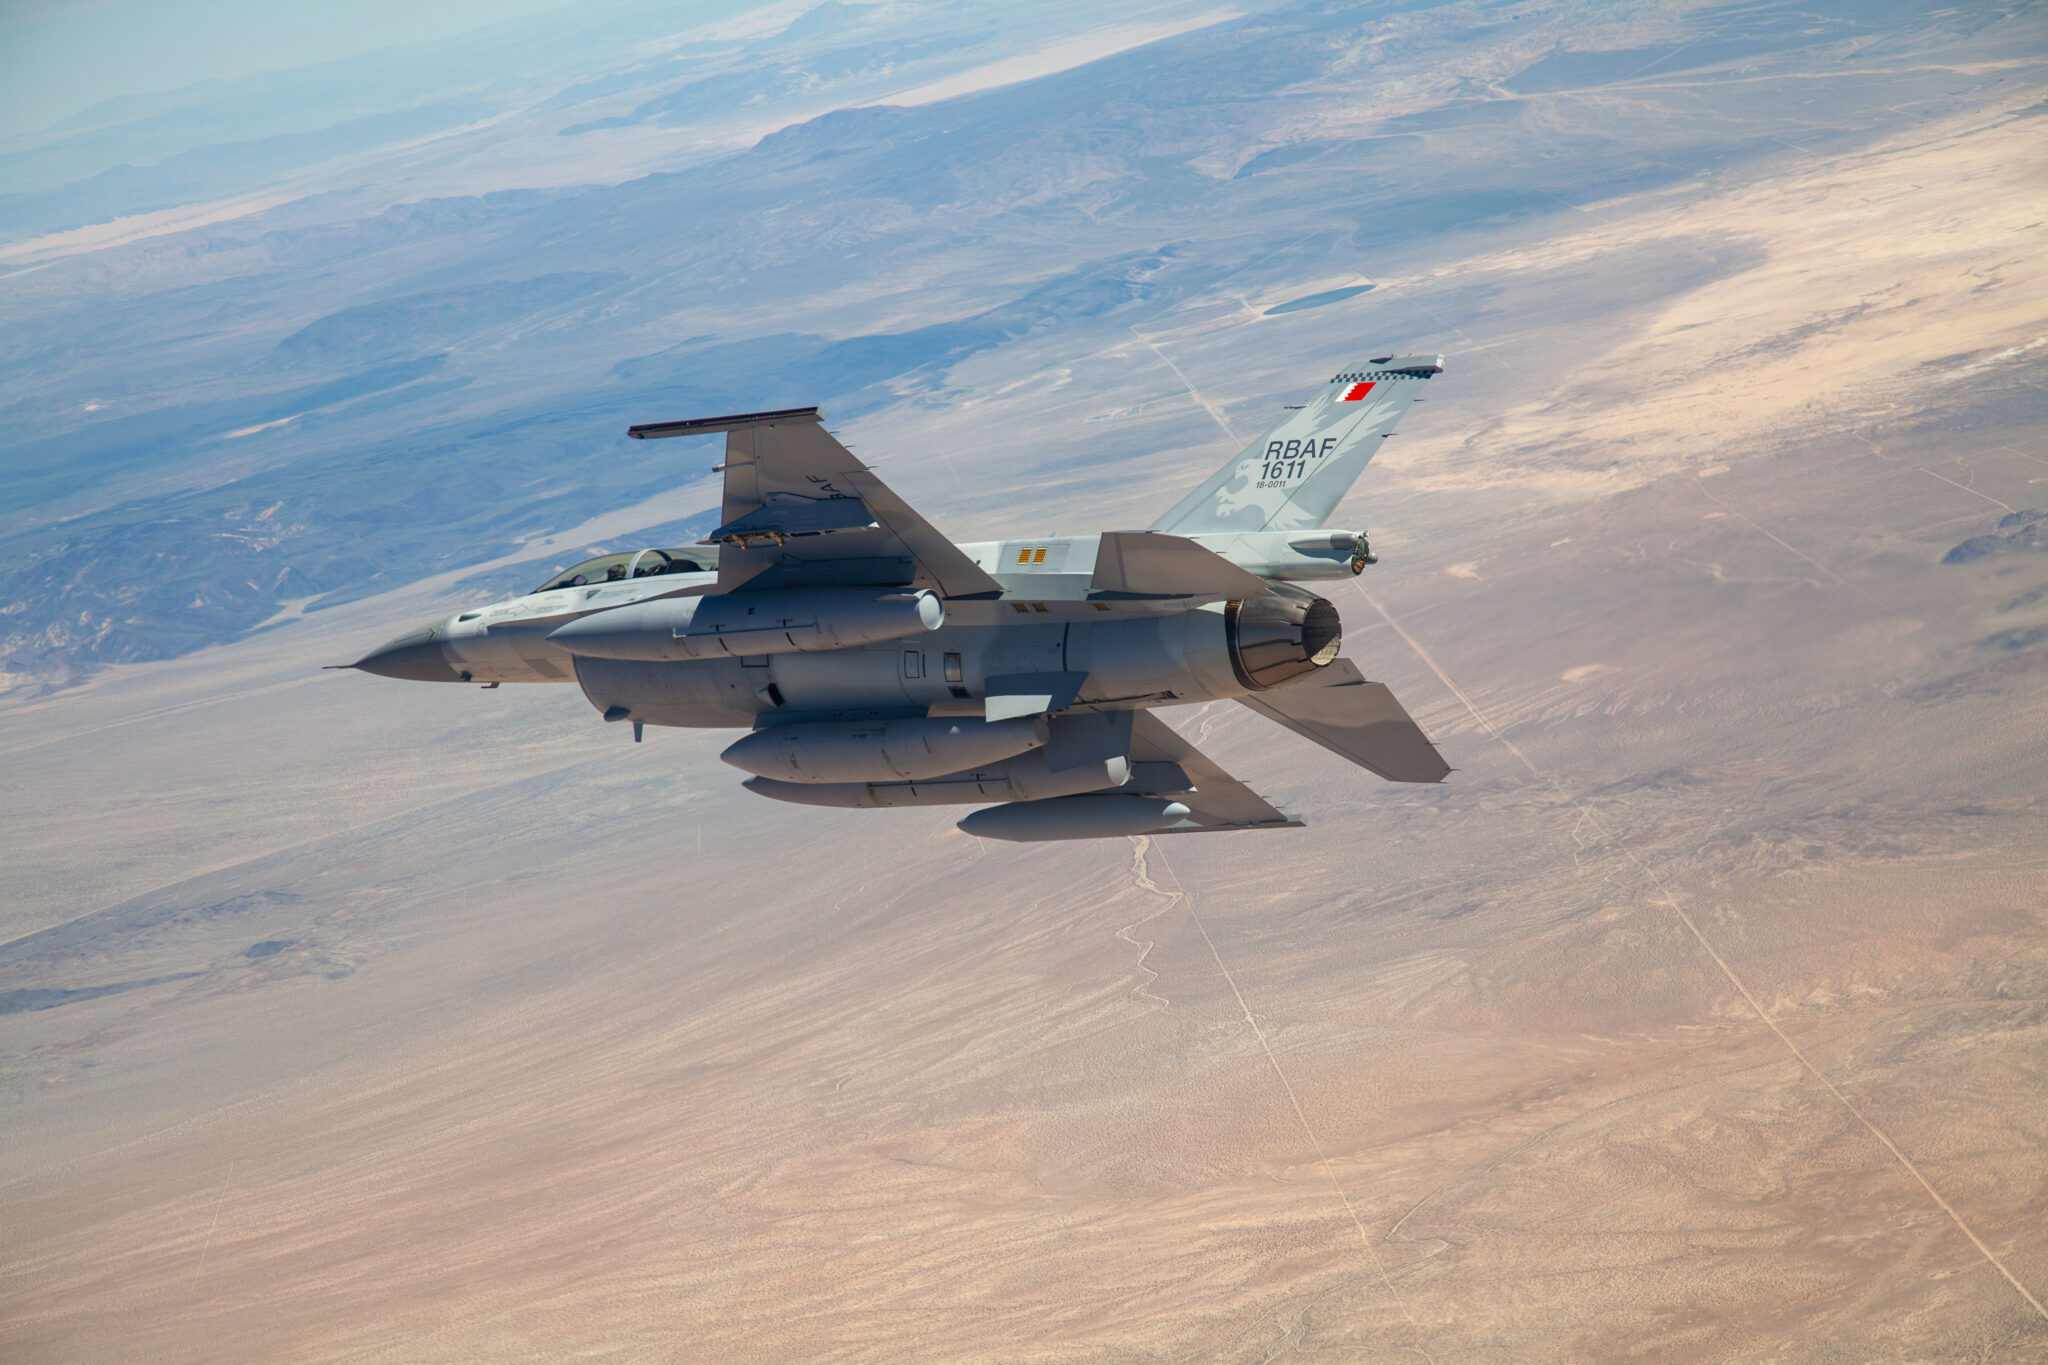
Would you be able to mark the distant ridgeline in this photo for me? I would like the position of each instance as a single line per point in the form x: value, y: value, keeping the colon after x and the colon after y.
x: 382, y: 496
x: 341, y: 394
x: 2015, y: 532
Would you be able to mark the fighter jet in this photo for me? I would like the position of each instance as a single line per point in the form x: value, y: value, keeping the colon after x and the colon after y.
x: 875, y: 663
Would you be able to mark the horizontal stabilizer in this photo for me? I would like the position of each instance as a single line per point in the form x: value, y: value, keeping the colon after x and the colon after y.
x: 1148, y: 564
x: 1337, y: 708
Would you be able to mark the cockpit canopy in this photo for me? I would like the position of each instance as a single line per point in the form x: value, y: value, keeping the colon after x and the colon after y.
x: 633, y: 564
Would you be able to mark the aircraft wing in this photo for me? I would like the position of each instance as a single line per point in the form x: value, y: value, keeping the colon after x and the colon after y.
x: 1337, y: 708
x: 1164, y: 764
x: 801, y: 511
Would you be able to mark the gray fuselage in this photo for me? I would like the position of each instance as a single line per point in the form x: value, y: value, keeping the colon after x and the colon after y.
x: 1152, y: 653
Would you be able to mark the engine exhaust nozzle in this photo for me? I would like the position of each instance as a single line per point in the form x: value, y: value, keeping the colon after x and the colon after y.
x: 1280, y: 636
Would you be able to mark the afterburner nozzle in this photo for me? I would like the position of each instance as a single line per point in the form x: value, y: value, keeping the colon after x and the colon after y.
x: 1279, y: 637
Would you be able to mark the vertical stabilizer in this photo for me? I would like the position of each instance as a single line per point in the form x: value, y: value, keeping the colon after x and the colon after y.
x: 1293, y: 477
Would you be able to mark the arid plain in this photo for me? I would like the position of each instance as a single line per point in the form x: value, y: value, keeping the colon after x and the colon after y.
x: 1701, y: 1015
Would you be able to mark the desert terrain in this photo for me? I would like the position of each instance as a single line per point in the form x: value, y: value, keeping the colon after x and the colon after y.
x: 1702, y: 1015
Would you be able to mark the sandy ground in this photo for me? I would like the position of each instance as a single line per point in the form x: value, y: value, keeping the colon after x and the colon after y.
x: 1702, y: 1014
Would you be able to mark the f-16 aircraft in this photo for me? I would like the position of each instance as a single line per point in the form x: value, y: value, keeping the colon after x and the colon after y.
x: 873, y: 662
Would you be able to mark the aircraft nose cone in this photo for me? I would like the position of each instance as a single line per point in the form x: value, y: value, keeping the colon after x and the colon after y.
x: 416, y: 656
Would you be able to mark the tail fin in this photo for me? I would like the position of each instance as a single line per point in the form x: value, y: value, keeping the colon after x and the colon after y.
x: 1293, y: 477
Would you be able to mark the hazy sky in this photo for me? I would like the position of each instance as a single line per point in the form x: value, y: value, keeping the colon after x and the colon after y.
x: 60, y: 56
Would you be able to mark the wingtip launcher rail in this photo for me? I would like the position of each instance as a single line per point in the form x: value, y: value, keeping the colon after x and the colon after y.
x: 704, y: 426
